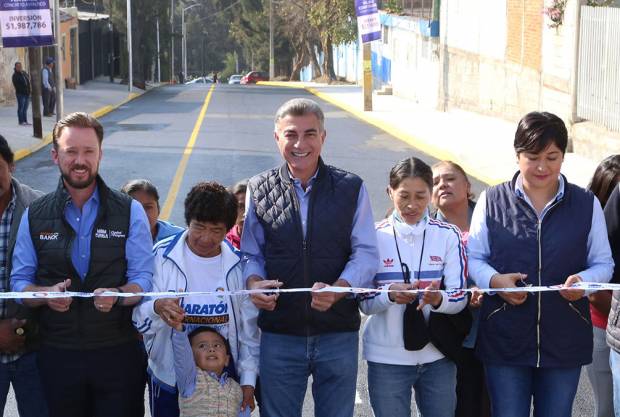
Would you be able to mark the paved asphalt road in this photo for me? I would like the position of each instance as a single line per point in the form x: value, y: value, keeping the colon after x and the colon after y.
x: 146, y: 138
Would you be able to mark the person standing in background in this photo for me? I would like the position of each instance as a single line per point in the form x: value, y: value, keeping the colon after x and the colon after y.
x: 48, y: 90
x: 21, y: 82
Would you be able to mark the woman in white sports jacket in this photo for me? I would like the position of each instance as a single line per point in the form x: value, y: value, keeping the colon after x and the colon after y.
x: 416, y: 251
x: 199, y: 259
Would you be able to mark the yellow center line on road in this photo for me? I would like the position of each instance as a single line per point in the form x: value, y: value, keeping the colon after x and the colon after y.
x: 178, y: 176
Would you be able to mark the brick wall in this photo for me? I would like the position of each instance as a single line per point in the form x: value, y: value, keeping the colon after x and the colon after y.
x: 524, y: 32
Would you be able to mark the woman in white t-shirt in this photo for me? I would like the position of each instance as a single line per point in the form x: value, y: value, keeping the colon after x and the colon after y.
x: 199, y: 259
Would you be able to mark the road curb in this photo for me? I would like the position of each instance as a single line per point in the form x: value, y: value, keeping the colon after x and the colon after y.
x: 47, y: 139
x: 367, y: 117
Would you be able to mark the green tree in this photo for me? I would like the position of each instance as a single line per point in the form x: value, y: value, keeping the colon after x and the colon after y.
x: 335, y: 22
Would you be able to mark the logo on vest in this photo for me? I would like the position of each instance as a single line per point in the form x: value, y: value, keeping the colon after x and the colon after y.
x: 104, y: 234
x: 388, y: 263
x: 49, y: 236
x: 101, y: 234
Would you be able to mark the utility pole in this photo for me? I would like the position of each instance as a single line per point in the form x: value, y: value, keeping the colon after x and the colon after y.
x: 158, y: 55
x: 59, y: 61
x: 129, y: 48
x: 34, y: 58
x: 271, y: 63
x: 367, y: 77
x: 184, y: 38
x: 171, y: 41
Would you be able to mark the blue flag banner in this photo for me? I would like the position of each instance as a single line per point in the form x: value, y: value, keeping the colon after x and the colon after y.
x: 25, y: 23
x: 368, y: 22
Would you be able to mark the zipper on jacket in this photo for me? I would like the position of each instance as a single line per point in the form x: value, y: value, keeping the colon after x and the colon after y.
x: 304, y: 249
x: 497, y: 310
x: 538, y: 239
x: 538, y: 236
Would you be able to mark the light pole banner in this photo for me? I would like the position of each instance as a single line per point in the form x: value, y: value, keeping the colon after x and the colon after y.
x: 25, y: 23
x: 368, y: 22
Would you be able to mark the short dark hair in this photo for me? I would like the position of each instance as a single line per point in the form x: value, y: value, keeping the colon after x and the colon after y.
x: 204, y: 329
x: 537, y: 130
x: 211, y: 202
x: 134, y: 186
x: 411, y: 168
x: 5, y: 151
x: 605, y: 178
x: 77, y: 119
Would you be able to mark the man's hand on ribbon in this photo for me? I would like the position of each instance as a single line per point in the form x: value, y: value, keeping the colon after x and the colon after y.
x: 572, y: 294
x: 510, y: 281
x: 263, y: 301
x: 324, y: 300
x: 105, y: 303
x: 60, y: 304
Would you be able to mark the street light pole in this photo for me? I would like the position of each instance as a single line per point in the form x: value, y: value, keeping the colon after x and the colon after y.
x: 59, y: 61
x: 129, y: 49
x: 271, y: 58
x: 184, y: 41
x: 171, y: 41
x: 158, y: 55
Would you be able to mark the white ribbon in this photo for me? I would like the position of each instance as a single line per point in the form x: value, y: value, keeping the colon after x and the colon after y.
x: 532, y: 289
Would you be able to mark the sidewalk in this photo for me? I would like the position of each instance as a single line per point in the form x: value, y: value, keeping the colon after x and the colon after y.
x: 97, y: 97
x: 482, y: 145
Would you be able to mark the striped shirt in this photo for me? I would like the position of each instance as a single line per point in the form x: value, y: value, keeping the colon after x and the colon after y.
x: 5, y: 230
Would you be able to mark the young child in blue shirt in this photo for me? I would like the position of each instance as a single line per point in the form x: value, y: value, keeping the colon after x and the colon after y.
x: 205, y: 390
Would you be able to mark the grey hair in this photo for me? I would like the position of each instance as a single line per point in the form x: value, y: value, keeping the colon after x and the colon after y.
x: 146, y: 186
x: 300, y: 107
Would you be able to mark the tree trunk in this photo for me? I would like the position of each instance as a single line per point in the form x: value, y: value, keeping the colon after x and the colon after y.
x: 316, y: 68
x: 298, y: 64
x: 328, y: 59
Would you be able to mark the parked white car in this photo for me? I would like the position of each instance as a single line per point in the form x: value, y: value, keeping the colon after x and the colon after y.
x: 235, y: 79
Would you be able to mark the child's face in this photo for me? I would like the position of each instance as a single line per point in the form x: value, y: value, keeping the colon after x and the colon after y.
x: 210, y: 352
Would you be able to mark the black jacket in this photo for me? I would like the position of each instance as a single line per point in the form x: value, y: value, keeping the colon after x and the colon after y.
x: 82, y: 327
x: 21, y: 82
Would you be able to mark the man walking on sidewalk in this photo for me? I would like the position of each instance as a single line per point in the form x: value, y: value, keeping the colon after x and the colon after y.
x: 21, y: 82
x: 307, y: 224
x: 85, y: 237
x: 48, y: 90
x: 18, y: 344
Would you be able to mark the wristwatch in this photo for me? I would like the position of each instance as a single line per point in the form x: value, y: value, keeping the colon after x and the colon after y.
x: 20, y: 331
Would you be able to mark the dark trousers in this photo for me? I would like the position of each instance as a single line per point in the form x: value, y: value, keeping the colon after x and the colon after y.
x: 93, y: 383
x: 22, y: 108
x: 23, y: 374
x: 472, y: 398
x: 49, y: 102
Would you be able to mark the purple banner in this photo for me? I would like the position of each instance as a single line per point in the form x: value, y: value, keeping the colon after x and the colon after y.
x: 25, y: 23
x: 364, y: 7
x: 368, y: 22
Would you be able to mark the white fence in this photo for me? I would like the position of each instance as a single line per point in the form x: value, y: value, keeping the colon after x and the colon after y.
x: 598, y: 90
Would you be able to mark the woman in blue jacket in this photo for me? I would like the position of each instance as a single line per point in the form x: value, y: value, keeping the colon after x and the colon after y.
x: 537, y: 229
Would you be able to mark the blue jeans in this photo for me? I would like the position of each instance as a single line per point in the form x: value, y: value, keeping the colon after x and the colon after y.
x: 24, y: 375
x: 389, y: 388
x: 614, y: 363
x: 22, y: 108
x: 286, y: 362
x: 511, y: 389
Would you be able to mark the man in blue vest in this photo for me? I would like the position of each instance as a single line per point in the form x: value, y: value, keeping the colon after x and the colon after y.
x: 85, y: 237
x: 307, y: 225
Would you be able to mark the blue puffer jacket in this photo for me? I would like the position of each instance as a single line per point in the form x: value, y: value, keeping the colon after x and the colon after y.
x: 546, y: 330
